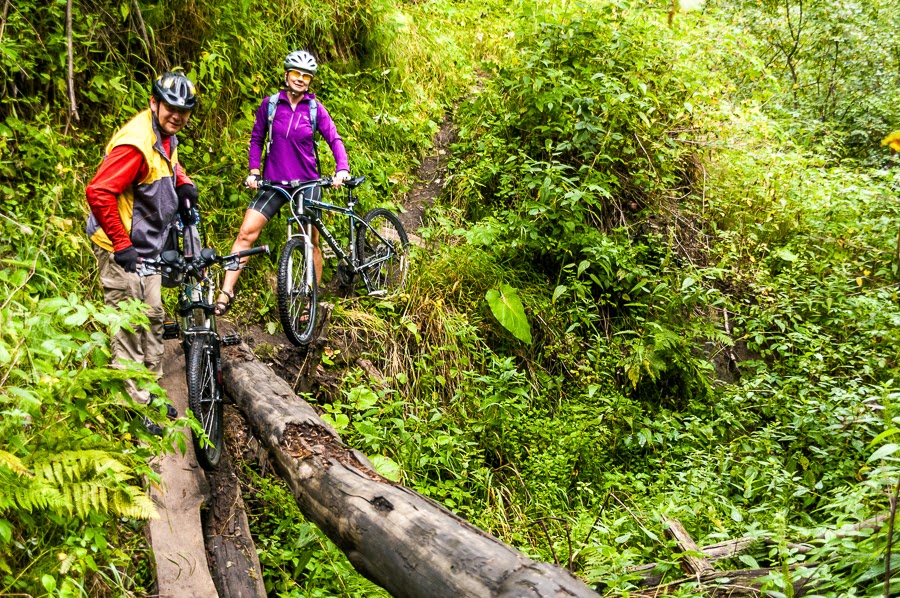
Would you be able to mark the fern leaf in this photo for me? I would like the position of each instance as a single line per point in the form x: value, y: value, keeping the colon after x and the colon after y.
x: 14, y: 463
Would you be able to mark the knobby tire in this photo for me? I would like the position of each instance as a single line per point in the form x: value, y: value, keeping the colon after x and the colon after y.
x: 295, y: 297
x: 205, y: 398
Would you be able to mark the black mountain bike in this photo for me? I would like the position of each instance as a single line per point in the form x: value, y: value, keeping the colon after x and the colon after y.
x: 377, y: 255
x: 190, y: 270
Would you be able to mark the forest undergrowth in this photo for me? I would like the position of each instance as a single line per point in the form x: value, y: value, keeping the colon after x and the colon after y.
x: 661, y: 283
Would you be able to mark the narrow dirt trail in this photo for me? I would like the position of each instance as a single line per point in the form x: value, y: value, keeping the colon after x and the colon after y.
x: 432, y: 176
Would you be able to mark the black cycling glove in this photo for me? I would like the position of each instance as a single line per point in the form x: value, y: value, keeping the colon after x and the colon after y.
x: 187, y: 201
x: 127, y: 258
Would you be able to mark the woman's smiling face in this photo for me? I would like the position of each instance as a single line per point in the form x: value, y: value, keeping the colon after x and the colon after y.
x: 297, y: 81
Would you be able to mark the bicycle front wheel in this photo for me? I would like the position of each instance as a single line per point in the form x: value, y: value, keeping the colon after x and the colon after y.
x: 205, y: 398
x: 297, y: 292
x: 383, y: 252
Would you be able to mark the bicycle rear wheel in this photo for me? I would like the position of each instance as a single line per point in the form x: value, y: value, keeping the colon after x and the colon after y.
x: 383, y: 257
x: 205, y: 398
x: 297, y: 292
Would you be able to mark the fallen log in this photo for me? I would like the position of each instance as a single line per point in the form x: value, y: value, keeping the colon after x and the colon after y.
x: 732, y: 548
x: 729, y: 548
x: 400, y: 540
x: 230, y: 550
x: 691, y: 560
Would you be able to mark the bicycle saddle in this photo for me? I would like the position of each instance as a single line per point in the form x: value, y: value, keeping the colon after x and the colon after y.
x: 354, y: 182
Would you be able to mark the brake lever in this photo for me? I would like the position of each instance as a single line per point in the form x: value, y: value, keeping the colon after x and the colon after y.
x: 232, y: 264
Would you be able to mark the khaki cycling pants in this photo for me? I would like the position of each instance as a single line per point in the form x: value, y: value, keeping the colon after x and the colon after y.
x: 144, y: 345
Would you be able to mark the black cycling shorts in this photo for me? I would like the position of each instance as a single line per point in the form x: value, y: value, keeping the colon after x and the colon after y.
x: 268, y: 202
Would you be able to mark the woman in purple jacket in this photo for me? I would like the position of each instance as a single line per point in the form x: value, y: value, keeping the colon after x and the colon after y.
x: 290, y: 155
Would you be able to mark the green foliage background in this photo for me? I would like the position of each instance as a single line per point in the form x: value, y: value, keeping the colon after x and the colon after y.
x: 692, y: 210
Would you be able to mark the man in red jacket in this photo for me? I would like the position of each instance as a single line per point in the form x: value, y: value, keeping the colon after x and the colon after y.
x: 135, y: 198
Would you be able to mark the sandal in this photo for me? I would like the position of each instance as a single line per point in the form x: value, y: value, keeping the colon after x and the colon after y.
x: 171, y: 412
x: 221, y: 307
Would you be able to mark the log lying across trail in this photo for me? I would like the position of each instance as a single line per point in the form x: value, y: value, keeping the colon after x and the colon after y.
x: 401, y: 540
x: 229, y: 562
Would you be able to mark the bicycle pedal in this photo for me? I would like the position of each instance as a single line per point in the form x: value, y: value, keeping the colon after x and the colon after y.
x: 171, y: 330
x: 231, y: 339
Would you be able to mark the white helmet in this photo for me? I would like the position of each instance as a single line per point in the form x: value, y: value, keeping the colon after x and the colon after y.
x: 301, y: 60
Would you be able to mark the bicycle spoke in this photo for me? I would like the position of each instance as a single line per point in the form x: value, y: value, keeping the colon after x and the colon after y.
x: 297, y: 291
x: 382, y: 249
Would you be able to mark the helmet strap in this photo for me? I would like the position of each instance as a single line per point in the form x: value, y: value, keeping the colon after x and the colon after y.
x: 154, y: 114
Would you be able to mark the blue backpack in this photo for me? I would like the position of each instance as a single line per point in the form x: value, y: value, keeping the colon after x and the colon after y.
x: 313, y: 109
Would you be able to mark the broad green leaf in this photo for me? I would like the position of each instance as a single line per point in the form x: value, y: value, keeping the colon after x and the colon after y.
x: 786, y: 255
x: 386, y: 467
x: 558, y: 291
x: 363, y: 398
x: 507, y: 308
x: 884, y: 435
x: 5, y: 530
x: 48, y: 582
x: 885, y: 451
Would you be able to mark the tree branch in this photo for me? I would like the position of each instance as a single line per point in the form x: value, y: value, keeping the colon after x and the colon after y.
x: 143, y: 28
x: 3, y: 19
x: 73, y: 108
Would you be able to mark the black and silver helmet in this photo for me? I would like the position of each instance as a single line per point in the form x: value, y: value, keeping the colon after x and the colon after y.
x: 176, y: 90
x: 301, y: 60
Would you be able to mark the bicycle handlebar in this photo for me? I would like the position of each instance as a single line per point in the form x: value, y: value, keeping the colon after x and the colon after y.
x: 296, y: 183
x: 174, y: 260
x: 246, y: 252
x: 300, y: 184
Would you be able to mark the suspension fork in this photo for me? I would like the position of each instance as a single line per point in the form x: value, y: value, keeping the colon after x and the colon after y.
x: 351, y: 203
x: 305, y: 225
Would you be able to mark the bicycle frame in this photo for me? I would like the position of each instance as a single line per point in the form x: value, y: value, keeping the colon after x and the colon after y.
x: 197, y: 312
x: 303, y: 214
x: 200, y: 338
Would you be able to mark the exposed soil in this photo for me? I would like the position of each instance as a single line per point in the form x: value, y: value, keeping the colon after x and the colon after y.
x: 431, y: 177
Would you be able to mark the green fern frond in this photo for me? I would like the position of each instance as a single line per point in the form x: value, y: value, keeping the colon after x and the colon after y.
x: 85, y: 498
x: 70, y: 466
x: 14, y: 463
x: 74, y: 483
x: 132, y: 502
x: 28, y: 493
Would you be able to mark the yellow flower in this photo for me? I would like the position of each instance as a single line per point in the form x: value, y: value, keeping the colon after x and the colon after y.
x: 892, y: 141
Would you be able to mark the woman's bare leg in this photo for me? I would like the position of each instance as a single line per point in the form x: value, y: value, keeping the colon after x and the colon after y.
x: 317, y: 255
x: 253, y: 223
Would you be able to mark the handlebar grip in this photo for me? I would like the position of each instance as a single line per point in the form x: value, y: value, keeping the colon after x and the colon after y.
x: 253, y: 251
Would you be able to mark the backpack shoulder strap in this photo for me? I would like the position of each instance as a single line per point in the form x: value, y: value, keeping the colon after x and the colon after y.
x: 313, y: 109
x: 272, y: 102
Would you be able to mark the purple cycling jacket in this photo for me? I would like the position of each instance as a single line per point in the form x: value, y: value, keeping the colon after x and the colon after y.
x: 292, y: 154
